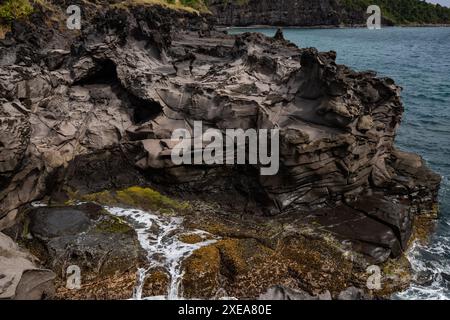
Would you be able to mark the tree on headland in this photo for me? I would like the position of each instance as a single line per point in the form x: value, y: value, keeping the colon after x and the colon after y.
x: 404, y: 11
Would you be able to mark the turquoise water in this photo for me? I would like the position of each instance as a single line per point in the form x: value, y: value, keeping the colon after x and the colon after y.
x: 419, y: 60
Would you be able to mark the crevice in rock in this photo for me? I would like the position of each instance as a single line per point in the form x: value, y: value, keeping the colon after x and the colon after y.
x: 142, y: 110
x: 393, y: 227
x: 106, y: 73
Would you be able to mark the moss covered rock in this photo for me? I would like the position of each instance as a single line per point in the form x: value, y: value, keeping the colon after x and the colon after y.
x: 318, y: 265
x: 156, y: 283
x: 104, y: 247
x: 14, y: 9
x: 137, y: 197
x: 202, y: 273
x: 118, y: 286
x: 192, y: 238
x: 111, y: 224
x: 258, y: 253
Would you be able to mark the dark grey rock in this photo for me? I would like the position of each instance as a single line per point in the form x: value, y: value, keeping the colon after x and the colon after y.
x: 284, y: 293
x: 86, y: 236
x: 304, y: 13
x: 353, y: 293
x: 51, y: 223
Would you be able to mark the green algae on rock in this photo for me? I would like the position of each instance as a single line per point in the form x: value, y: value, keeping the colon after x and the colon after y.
x: 258, y: 253
x: 11, y: 10
x: 113, y: 224
x: 104, y: 247
x: 138, y: 197
x: 201, y: 273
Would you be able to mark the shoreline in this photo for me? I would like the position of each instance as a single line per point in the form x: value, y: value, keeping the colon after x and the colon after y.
x: 361, y: 26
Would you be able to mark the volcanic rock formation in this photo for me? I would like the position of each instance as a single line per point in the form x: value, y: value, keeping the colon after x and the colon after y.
x: 93, y: 110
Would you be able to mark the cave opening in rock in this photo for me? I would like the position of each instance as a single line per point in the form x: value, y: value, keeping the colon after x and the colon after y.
x: 105, y: 73
x: 143, y: 110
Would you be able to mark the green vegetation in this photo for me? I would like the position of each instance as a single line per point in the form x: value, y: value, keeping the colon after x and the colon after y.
x: 187, y: 5
x: 113, y: 225
x: 397, y: 11
x: 138, y: 197
x: 195, y: 4
x: 14, y: 9
x: 404, y: 11
x: 17, y: 9
x: 11, y: 10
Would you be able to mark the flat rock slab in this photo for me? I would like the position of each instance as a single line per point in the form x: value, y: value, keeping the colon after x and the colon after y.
x: 51, y: 223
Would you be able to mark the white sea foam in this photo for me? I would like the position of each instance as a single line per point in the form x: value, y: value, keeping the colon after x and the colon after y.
x: 159, y: 237
x: 431, y: 262
x: 429, y: 267
x: 38, y: 204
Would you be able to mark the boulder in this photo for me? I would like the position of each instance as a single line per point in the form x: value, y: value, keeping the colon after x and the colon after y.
x: 20, y: 276
x: 86, y: 236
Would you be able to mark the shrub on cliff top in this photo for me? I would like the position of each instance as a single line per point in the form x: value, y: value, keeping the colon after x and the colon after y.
x: 188, y: 5
x: 14, y: 9
x: 404, y: 11
x: 195, y: 4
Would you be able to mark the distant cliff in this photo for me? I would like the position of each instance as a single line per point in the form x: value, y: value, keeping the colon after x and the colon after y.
x: 324, y: 12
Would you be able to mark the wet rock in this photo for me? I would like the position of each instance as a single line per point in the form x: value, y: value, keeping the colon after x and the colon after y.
x: 156, y: 284
x: 202, y: 272
x: 279, y: 35
x: 86, y: 236
x: 283, y: 293
x: 47, y: 223
x: 353, y: 293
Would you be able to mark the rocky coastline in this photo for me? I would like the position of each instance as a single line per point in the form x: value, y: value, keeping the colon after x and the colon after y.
x: 86, y: 120
x: 325, y: 13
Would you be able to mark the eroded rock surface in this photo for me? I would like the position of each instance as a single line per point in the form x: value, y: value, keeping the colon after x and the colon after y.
x: 20, y: 276
x: 94, y: 110
x: 104, y: 248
